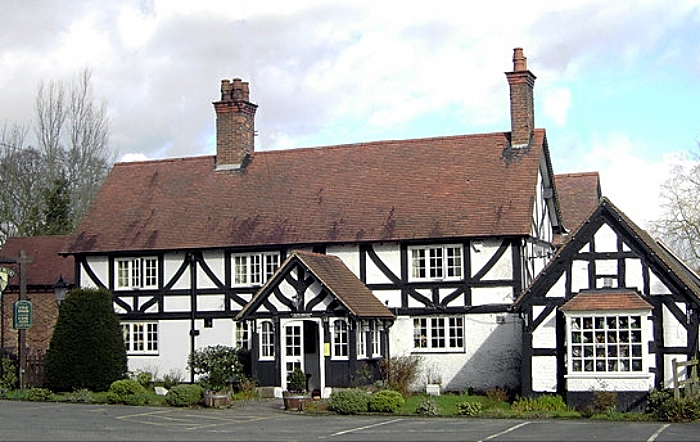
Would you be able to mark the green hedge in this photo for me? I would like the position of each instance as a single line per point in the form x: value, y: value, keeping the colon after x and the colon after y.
x: 350, y: 401
x: 184, y: 395
x: 386, y: 401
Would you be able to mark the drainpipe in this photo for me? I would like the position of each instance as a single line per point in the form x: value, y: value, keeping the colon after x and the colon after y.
x: 193, y: 306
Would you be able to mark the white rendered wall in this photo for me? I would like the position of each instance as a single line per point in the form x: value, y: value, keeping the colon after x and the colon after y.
x: 491, y: 357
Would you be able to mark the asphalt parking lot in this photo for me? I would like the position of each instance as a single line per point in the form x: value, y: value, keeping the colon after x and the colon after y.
x: 262, y: 421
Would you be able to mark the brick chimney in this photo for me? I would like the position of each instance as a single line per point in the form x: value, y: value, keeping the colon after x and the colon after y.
x: 522, y: 109
x: 235, y: 125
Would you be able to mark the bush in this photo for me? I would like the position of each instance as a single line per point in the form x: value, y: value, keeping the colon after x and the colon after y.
x: 386, y: 401
x: 219, y: 366
x: 247, y: 388
x: 39, y: 395
x: 81, y: 395
x: 184, y: 395
x: 87, y: 347
x: 171, y: 379
x: 8, y: 373
x: 297, y: 381
x: 469, y: 408
x: 400, y: 372
x: 144, y: 377
x: 545, y: 402
x: 350, y: 401
x: 663, y: 406
x: 605, y: 401
x: 120, y: 391
x: 428, y: 407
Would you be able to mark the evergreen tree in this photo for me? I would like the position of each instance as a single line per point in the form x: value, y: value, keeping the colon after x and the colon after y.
x: 56, y: 209
x: 87, y: 347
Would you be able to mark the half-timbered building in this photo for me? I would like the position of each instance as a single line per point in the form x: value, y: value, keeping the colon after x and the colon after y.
x: 329, y: 258
x: 610, y: 312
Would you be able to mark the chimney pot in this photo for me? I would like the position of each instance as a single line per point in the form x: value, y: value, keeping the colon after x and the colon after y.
x: 519, y: 60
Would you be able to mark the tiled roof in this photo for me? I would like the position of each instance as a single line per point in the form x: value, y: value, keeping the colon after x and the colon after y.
x: 46, y: 266
x: 579, y: 194
x: 447, y: 187
x: 347, y: 288
x: 603, y: 300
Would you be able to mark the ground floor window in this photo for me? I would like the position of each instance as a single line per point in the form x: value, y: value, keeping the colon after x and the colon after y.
x: 442, y: 333
x: 267, y: 341
x: 610, y: 343
x: 140, y: 338
x: 340, y: 339
x: 242, y: 335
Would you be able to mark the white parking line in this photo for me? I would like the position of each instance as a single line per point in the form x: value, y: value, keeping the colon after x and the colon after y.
x: 653, y: 437
x: 352, y: 430
x: 506, y: 431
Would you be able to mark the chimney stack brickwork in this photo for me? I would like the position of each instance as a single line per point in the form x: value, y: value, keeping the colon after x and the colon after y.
x: 235, y: 124
x: 522, y: 109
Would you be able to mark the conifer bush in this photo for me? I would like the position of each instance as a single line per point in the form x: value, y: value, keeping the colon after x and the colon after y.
x: 87, y: 346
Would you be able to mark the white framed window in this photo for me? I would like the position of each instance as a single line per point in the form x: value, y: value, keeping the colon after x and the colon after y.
x: 136, y: 273
x: 267, y: 341
x: 361, y: 340
x: 254, y: 268
x: 436, y: 262
x: 242, y: 334
x: 376, y: 336
x: 439, y: 334
x: 611, y: 343
x: 140, y: 338
x: 340, y: 339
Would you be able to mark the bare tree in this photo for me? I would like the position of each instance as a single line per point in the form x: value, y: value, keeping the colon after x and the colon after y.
x: 679, y: 225
x: 72, y: 147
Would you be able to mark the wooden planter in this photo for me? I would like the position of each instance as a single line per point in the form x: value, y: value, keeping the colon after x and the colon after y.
x: 216, y: 399
x: 295, y: 401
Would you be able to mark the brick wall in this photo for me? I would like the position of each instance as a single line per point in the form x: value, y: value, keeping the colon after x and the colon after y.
x: 44, y: 315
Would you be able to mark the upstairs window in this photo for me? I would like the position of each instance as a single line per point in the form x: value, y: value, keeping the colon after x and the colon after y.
x: 436, y: 262
x: 140, y: 338
x: 610, y: 343
x: 438, y: 333
x: 254, y: 268
x: 136, y: 273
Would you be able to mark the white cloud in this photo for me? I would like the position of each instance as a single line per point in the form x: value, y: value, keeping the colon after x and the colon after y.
x: 556, y: 104
x: 131, y: 157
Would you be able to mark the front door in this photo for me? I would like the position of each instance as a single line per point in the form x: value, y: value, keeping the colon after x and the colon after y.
x: 301, y: 348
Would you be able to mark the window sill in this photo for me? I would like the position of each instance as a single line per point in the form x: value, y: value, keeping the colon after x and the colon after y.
x: 438, y: 350
x: 611, y: 375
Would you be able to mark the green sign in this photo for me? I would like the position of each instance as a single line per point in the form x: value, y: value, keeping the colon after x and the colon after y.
x: 22, y: 314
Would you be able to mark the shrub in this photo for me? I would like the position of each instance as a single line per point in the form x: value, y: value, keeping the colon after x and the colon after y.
x: 87, y: 347
x: 136, y: 399
x: 171, y: 379
x: 469, y: 408
x: 350, y: 401
x: 219, y: 366
x: 605, y: 401
x: 248, y: 388
x: 144, y: 377
x: 39, y: 395
x: 297, y: 381
x: 80, y: 395
x: 663, y: 406
x: 8, y: 373
x: 399, y: 372
x: 184, y: 395
x: 545, y: 402
x: 428, y: 407
x: 497, y: 394
x: 386, y: 401
x: 120, y: 391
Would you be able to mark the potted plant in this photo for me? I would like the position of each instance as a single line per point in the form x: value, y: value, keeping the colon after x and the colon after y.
x: 295, y: 395
x: 218, y: 368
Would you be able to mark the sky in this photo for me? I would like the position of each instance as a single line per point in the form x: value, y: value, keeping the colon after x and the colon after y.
x: 617, y: 82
